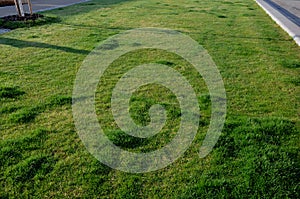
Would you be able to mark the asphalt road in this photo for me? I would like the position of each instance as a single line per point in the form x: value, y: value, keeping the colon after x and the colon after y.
x: 293, y: 6
x: 290, y: 9
x: 286, y: 13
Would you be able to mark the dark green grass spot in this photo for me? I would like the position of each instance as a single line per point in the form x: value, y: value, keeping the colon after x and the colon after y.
x: 28, y: 114
x: 295, y: 81
x: 8, y: 109
x: 12, y: 151
x: 248, y: 15
x: 24, y: 115
x: 88, y: 4
x: 29, y: 142
x: 59, y: 100
x: 9, y: 155
x: 204, y: 101
x: 33, y: 167
x: 124, y: 140
x: 254, y: 131
x: 10, y: 92
x: 168, y: 63
x: 290, y: 64
x: 227, y: 2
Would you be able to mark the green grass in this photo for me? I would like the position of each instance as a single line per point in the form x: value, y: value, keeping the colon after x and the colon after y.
x: 257, y: 155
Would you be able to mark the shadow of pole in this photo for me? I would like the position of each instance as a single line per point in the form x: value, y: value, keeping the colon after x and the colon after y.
x: 25, y: 44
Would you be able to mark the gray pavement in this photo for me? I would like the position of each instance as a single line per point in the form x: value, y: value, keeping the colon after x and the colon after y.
x: 292, y: 6
x: 39, y: 5
x: 285, y: 13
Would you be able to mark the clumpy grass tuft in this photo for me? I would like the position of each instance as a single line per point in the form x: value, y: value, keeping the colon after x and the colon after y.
x: 5, y: 110
x: 28, y: 114
x: 34, y: 167
x: 24, y: 115
x: 291, y: 63
x: 167, y: 63
x: 10, y: 92
x: 59, y: 100
x: 121, y: 139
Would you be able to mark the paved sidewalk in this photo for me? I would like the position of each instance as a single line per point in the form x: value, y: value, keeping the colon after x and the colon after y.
x: 285, y: 13
x: 39, y: 5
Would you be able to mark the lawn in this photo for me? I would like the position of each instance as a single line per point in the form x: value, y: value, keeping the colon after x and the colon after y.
x: 257, y: 155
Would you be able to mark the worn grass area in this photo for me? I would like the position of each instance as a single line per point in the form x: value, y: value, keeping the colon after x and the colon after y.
x: 12, y: 22
x: 257, y: 155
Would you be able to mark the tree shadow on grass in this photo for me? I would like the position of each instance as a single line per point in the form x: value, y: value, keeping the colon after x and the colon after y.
x: 25, y: 44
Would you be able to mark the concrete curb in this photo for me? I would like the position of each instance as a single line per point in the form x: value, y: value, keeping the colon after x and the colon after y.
x: 291, y: 28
